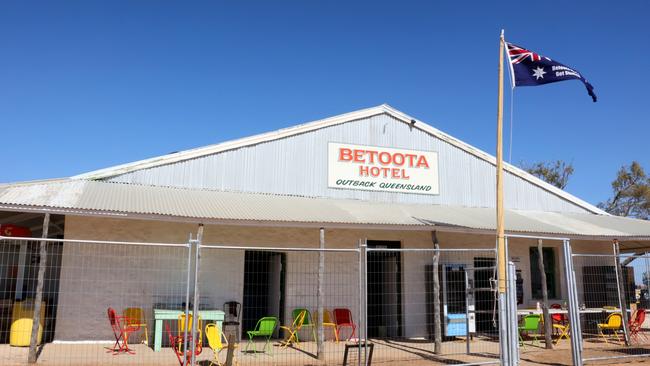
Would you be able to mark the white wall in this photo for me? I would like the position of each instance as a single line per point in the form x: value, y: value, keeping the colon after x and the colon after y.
x: 94, y: 277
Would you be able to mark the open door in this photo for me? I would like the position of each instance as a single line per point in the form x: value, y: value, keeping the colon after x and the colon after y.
x: 384, y: 285
x: 263, y: 287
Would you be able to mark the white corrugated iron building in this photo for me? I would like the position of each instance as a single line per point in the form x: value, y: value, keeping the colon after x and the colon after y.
x: 279, y: 188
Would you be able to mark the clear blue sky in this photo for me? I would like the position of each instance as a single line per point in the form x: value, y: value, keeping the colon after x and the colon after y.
x: 90, y: 84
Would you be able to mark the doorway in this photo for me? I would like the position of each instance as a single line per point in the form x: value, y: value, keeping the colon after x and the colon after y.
x: 384, y: 287
x: 264, y: 283
x: 486, y: 314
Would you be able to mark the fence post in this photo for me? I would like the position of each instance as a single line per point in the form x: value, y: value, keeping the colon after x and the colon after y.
x: 195, y: 304
x: 503, y: 328
x: 320, y: 346
x: 361, y: 297
x: 36, y: 319
x: 437, y: 326
x: 620, y: 285
x: 513, y: 339
x: 187, y: 294
x: 364, y: 248
x: 574, y: 310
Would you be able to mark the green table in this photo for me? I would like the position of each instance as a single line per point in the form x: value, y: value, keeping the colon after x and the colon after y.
x: 162, y: 314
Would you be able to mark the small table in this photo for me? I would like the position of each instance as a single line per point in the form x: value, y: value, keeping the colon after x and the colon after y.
x: 163, y: 314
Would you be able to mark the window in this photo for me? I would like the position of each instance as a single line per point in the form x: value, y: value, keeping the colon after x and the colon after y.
x: 549, y: 269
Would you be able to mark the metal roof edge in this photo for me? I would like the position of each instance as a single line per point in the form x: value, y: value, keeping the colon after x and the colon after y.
x: 327, y: 122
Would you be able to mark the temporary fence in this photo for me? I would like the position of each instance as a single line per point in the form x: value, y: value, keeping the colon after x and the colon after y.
x: 611, y: 302
x: 256, y: 305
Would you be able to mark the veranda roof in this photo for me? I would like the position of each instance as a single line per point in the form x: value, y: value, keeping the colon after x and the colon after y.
x: 88, y: 197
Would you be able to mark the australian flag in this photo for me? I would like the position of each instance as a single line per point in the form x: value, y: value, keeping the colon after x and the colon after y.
x: 531, y: 69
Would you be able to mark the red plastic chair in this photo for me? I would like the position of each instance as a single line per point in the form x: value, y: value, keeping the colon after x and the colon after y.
x: 343, y: 318
x: 636, y: 324
x: 176, y: 342
x: 561, y: 319
x: 121, y: 331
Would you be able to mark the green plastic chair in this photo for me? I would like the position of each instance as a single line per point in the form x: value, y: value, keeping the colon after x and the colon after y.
x: 530, y: 323
x: 264, y: 328
x: 308, y: 321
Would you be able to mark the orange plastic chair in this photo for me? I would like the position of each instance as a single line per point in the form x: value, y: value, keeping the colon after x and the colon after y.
x: 135, y: 318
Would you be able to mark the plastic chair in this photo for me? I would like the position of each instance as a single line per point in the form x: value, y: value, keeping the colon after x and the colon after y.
x: 217, y: 342
x: 181, y: 326
x: 343, y: 318
x: 560, y: 324
x: 636, y: 323
x: 121, y: 332
x: 292, y: 330
x: 308, y: 321
x: 177, y: 343
x: 529, y: 323
x: 328, y: 321
x: 264, y: 328
x: 613, y: 322
x: 135, y: 317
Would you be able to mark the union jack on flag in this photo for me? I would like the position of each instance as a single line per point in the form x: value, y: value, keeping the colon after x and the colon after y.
x: 518, y: 54
x: 528, y: 68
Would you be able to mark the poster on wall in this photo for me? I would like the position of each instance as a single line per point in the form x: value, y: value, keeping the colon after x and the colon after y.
x: 373, y: 168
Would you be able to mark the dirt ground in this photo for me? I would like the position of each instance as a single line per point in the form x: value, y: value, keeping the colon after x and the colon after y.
x: 385, y: 353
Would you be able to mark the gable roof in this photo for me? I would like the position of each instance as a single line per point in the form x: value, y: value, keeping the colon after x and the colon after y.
x: 331, y: 121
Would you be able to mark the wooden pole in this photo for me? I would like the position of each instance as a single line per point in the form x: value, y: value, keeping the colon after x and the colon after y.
x: 501, y: 246
x: 36, y: 319
x: 437, y: 326
x: 320, y: 346
x: 546, y: 316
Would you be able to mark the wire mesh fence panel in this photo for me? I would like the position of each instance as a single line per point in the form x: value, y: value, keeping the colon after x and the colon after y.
x: 101, y: 301
x: 412, y: 295
x: 613, y: 297
x: 270, y: 301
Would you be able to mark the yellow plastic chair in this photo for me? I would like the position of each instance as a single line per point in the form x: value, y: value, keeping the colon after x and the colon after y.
x: 563, y: 330
x: 181, y: 326
x: 329, y: 322
x: 135, y: 318
x: 614, y: 322
x: 217, y: 342
x: 292, y: 330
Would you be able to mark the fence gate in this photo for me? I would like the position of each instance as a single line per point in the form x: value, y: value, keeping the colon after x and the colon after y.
x: 438, y: 305
x: 610, y: 298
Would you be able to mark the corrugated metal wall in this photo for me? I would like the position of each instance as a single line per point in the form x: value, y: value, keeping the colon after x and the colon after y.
x: 297, y: 165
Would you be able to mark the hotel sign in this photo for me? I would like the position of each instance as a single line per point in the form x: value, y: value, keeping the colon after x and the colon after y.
x: 372, y: 168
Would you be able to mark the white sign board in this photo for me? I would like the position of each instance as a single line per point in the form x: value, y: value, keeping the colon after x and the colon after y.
x: 373, y: 168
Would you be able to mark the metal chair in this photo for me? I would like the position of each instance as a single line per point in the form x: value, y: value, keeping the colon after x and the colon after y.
x: 614, y: 322
x: 343, y: 318
x: 217, y: 341
x: 135, y: 317
x: 121, y: 332
x: 264, y: 328
x: 292, y: 330
x: 178, y: 343
x: 530, y: 323
x: 636, y: 323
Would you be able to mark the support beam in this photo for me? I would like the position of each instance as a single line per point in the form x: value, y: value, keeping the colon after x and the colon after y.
x: 437, y: 326
x: 634, y: 256
x: 548, y: 340
x: 36, y: 320
x: 320, y: 345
